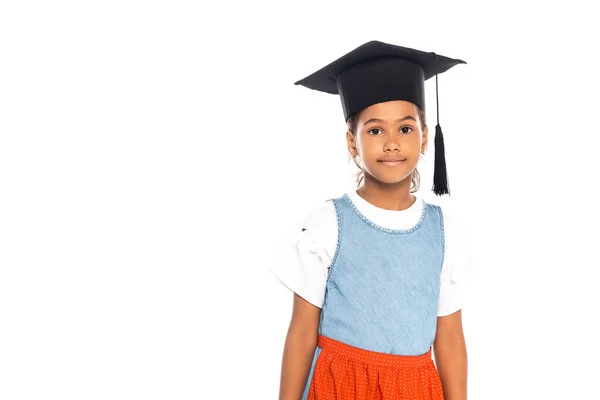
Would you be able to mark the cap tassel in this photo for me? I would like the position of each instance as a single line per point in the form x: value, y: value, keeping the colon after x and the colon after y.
x: 440, y: 175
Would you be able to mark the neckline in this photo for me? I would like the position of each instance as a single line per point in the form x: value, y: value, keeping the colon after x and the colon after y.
x: 382, y: 228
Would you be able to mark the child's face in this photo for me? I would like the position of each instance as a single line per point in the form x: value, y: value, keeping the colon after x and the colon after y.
x: 389, y: 130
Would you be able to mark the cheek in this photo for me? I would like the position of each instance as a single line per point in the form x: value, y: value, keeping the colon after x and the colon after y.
x: 413, y: 141
x: 364, y: 143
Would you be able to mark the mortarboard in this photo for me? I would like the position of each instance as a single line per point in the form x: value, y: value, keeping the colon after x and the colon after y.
x: 376, y: 72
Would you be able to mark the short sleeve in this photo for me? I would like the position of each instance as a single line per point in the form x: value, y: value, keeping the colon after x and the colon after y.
x: 301, y: 264
x: 456, y: 266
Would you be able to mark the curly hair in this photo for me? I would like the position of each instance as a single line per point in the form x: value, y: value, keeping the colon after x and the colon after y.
x: 352, y: 124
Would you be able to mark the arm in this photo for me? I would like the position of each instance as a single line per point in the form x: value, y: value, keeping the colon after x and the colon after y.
x: 300, y: 345
x: 450, y: 354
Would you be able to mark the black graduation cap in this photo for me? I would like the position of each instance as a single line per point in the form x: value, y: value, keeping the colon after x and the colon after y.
x: 377, y: 72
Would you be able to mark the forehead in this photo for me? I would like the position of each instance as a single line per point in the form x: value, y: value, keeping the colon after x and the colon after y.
x: 389, y: 110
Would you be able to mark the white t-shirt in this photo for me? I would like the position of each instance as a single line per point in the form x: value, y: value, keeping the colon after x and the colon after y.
x: 302, y: 264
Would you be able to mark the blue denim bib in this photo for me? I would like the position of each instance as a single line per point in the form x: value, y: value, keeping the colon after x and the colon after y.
x: 383, y: 284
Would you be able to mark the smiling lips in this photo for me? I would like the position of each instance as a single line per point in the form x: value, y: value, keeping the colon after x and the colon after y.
x: 392, y: 161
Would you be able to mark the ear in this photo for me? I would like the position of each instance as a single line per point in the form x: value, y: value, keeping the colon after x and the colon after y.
x: 425, y: 140
x: 351, y: 143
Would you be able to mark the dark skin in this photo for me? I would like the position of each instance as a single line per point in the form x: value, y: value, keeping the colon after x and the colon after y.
x: 300, y: 345
x: 450, y: 353
x: 389, y: 130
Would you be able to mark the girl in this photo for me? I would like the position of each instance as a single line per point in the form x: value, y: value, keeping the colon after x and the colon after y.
x: 376, y: 272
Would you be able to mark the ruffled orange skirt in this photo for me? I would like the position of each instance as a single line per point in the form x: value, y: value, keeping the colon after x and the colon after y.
x: 344, y: 372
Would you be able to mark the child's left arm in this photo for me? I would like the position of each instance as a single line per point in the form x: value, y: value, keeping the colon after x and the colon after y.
x: 449, y: 347
x: 450, y: 352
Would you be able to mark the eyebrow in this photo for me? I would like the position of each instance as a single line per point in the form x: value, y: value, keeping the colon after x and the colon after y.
x: 398, y: 120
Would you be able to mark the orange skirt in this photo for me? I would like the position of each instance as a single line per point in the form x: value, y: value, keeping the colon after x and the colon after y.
x: 344, y: 372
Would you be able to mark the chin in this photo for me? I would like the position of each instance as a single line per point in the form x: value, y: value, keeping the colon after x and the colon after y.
x: 390, y: 175
x: 392, y: 181
x: 391, y: 178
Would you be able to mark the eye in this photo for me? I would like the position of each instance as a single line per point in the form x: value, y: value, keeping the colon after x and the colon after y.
x: 375, y: 129
x: 406, y: 127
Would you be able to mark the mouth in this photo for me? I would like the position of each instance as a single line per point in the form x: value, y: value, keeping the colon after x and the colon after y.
x: 393, y: 162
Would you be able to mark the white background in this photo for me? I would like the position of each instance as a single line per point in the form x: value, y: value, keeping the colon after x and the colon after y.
x: 152, y: 154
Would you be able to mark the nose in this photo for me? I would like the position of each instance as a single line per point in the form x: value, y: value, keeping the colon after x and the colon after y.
x: 392, y: 144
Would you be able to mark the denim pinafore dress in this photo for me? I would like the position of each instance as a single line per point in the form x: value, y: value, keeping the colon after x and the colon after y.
x: 380, y: 307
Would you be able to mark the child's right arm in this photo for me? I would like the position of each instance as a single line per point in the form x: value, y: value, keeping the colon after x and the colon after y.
x: 300, y: 345
x: 302, y: 265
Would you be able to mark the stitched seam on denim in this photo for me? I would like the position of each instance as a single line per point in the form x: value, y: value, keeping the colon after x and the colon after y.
x: 339, y: 240
x: 333, y: 262
x: 383, y: 229
x: 443, y: 234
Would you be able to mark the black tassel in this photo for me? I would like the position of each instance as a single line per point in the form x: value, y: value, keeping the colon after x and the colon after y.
x: 440, y: 176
